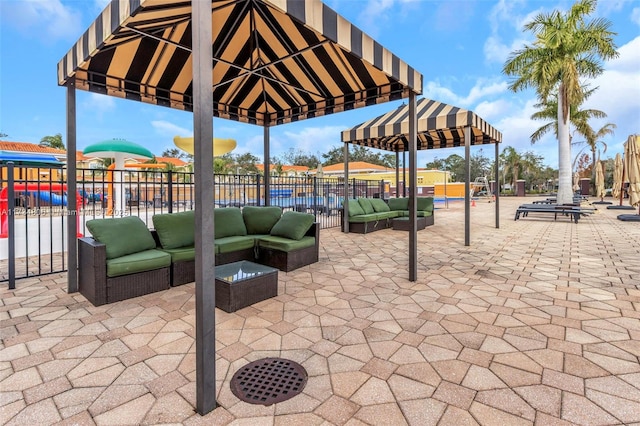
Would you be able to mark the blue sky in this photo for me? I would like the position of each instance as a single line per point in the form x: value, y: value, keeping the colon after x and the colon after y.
x: 460, y: 47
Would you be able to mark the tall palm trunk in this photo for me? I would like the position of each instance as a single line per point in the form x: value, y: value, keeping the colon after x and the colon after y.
x: 565, y: 190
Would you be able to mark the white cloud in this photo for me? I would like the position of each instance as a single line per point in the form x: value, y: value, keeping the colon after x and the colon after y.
x: 373, y: 17
x: 168, y: 129
x: 98, y: 104
x: 635, y: 15
x: 483, y: 87
x: 48, y: 19
x: 490, y: 110
x: 314, y: 139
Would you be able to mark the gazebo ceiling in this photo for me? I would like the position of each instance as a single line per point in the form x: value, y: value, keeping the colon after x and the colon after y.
x: 274, y: 61
x: 439, y: 126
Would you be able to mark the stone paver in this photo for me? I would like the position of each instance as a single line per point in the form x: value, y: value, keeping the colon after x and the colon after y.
x: 537, y: 322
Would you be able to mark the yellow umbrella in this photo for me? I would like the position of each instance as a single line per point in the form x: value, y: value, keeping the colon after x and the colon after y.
x: 617, y: 176
x: 599, y: 180
x: 220, y: 146
x: 632, y: 168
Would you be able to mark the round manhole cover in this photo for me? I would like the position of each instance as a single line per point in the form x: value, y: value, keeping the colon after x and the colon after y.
x: 269, y: 380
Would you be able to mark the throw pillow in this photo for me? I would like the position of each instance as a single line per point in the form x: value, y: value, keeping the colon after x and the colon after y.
x: 379, y: 205
x: 260, y: 220
x: 122, y: 235
x: 354, y: 208
x: 293, y: 225
x: 365, y: 203
x: 175, y: 230
x: 228, y: 222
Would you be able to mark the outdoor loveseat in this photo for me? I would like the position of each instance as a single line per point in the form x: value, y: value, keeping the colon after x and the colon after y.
x: 372, y: 214
x: 125, y: 259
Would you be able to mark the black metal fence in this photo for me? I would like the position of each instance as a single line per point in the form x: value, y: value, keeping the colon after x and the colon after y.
x: 34, y: 212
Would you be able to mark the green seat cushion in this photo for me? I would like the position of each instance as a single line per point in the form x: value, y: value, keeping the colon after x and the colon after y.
x: 260, y: 220
x: 175, y: 230
x: 181, y: 254
x: 379, y: 205
x: 286, y: 244
x: 424, y: 203
x: 424, y: 213
x: 122, y: 235
x: 293, y: 225
x: 234, y: 243
x: 386, y: 215
x: 399, y: 203
x: 143, y: 261
x: 354, y: 208
x: 366, y: 205
x: 364, y: 218
x: 228, y: 222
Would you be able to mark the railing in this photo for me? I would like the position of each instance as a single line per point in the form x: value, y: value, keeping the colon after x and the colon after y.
x: 34, y: 213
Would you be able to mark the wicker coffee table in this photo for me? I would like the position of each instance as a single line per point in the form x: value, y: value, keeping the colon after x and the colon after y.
x: 241, y: 284
x: 402, y: 223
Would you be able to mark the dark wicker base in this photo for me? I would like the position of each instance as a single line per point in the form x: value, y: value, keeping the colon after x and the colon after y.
x: 364, y: 228
x: 403, y: 224
x: 236, y: 256
x: 183, y: 272
x: 288, y: 261
x: 233, y: 296
x: 134, y: 285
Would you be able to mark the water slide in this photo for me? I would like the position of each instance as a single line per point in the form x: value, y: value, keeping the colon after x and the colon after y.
x: 50, y: 198
x: 35, y: 188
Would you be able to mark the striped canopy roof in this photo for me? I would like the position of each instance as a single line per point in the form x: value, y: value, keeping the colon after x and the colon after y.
x: 274, y: 61
x: 439, y: 126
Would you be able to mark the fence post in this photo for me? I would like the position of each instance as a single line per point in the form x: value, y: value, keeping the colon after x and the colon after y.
x: 170, y: 198
x: 11, y: 210
x: 315, y: 197
x: 354, y: 188
x: 258, y: 189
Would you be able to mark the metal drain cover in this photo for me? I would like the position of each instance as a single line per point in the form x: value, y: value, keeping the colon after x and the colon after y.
x: 269, y: 380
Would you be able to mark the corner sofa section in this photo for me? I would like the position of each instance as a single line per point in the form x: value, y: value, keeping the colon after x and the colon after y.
x: 260, y: 234
x: 372, y: 214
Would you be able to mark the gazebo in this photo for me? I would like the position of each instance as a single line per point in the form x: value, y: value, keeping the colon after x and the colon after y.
x: 263, y: 62
x: 438, y: 126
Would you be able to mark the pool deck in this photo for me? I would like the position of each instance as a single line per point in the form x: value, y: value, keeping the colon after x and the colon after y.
x: 537, y: 322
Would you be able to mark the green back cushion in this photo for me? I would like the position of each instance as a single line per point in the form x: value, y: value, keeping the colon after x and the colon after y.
x: 260, y: 220
x: 379, y: 205
x: 424, y: 203
x: 354, y: 208
x: 399, y: 203
x: 365, y: 203
x: 175, y: 230
x: 122, y: 235
x: 228, y: 222
x: 293, y: 225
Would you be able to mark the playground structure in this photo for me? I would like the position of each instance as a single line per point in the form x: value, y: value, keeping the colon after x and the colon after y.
x: 44, y: 194
x: 480, y: 188
x: 118, y: 194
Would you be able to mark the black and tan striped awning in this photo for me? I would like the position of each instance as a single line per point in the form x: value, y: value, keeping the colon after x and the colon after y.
x: 439, y: 126
x: 274, y: 61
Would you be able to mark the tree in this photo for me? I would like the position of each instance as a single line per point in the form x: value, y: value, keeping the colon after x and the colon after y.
x: 593, y: 138
x: 54, y: 141
x: 512, y: 162
x: 359, y: 153
x: 566, y: 49
x: 298, y: 158
x: 245, y: 164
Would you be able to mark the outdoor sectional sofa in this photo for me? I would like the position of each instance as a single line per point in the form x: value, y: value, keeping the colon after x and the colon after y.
x: 125, y: 259
x: 372, y: 214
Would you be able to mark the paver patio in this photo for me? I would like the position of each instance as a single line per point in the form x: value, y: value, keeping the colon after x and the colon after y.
x: 537, y: 322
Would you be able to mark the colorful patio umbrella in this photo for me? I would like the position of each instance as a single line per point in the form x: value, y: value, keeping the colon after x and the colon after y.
x: 617, y: 176
x: 118, y: 149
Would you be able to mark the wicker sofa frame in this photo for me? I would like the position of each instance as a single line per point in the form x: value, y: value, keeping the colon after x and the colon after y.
x: 183, y: 272
x: 99, y: 289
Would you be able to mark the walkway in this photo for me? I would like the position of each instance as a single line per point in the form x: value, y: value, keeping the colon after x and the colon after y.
x: 535, y: 323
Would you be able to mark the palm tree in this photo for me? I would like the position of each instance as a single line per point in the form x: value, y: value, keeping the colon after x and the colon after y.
x: 54, y: 141
x: 566, y: 49
x: 512, y: 163
x: 593, y: 138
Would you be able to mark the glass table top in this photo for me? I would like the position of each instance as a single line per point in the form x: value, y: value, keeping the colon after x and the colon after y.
x: 241, y: 271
